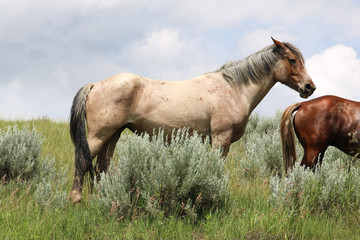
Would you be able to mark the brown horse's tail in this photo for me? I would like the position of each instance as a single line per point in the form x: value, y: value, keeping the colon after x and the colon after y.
x: 288, y: 136
x: 83, y: 162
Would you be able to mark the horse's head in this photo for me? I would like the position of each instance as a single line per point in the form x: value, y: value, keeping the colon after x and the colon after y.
x: 290, y: 70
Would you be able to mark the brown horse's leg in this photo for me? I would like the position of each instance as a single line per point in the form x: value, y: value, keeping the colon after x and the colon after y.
x: 321, y: 157
x: 310, y: 157
x: 106, y: 152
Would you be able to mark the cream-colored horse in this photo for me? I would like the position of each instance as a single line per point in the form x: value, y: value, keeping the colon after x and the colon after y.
x: 216, y: 104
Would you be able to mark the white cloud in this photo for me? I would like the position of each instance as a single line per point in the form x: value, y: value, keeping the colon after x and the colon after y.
x: 336, y: 71
x: 162, y: 46
x: 165, y: 55
x: 260, y: 38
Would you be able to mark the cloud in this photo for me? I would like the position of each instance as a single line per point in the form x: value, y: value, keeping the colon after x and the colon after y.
x: 165, y: 54
x: 162, y: 48
x: 260, y: 38
x: 50, y: 49
x: 336, y: 71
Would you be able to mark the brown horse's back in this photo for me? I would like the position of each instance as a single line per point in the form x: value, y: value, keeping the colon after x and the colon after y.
x: 324, y: 121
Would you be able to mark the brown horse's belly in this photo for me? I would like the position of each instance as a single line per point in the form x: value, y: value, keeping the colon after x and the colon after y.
x: 349, y: 144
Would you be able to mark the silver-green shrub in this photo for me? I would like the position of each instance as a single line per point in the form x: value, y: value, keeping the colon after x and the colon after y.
x: 183, y: 176
x: 50, y: 183
x: 19, y: 152
x: 332, y: 187
x: 262, y: 144
x: 20, y: 159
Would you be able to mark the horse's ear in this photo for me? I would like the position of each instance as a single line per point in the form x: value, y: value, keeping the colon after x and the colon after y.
x: 278, y: 44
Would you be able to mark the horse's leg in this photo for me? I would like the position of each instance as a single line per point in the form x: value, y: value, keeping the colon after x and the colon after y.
x: 95, y: 145
x: 222, y: 141
x: 225, y: 148
x: 80, y: 170
x: 105, y: 154
x: 78, y: 181
x: 310, y: 157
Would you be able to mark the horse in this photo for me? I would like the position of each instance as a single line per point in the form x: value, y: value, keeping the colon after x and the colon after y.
x: 319, y: 123
x: 215, y: 105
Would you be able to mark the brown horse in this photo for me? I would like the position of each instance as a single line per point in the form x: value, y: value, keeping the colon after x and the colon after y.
x: 319, y: 123
x: 215, y: 104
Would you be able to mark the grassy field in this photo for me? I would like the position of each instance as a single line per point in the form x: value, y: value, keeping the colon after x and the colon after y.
x: 249, y: 214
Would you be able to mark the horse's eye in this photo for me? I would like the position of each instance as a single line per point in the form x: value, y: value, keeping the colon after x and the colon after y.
x: 292, y: 60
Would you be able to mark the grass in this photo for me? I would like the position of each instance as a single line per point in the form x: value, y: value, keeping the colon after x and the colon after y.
x: 249, y: 214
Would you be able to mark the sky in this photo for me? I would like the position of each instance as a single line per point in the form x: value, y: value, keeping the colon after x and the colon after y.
x: 50, y: 49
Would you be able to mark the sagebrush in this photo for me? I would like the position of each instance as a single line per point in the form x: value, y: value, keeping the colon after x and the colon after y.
x: 332, y: 188
x: 263, y: 156
x: 20, y: 150
x: 185, y: 177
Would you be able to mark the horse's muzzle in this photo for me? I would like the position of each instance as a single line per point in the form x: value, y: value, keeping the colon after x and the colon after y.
x: 307, y: 90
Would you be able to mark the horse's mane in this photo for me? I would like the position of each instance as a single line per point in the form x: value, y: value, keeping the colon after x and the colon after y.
x: 255, y: 66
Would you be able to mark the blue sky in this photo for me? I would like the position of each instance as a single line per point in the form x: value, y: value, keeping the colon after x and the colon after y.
x: 51, y: 49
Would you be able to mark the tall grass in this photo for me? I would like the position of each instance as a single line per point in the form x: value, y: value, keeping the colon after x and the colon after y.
x: 260, y: 206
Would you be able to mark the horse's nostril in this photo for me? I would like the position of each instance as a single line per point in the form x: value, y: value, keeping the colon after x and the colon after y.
x: 308, y: 87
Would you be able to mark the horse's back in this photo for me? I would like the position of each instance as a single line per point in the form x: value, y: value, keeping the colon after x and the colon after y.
x: 327, y: 107
x: 328, y: 120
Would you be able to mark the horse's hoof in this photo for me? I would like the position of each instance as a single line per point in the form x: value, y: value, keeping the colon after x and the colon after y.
x: 75, y: 196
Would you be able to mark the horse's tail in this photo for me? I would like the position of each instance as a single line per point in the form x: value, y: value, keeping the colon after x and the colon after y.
x: 288, y: 136
x: 83, y: 162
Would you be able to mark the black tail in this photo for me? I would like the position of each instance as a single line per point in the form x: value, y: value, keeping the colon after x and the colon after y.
x: 83, y: 161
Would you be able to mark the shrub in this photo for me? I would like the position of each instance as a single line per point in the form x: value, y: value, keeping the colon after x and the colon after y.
x: 332, y: 187
x: 184, y: 177
x: 19, y: 152
x: 20, y: 159
x: 49, y: 188
x: 262, y: 144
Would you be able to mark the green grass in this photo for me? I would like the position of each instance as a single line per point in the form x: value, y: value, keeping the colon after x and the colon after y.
x: 249, y: 214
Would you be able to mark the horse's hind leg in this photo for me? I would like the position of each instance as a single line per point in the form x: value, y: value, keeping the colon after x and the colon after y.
x: 80, y: 171
x: 105, y: 154
x: 310, y: 157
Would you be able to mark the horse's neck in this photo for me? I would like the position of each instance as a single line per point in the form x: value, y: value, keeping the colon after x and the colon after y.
x: 255, y: 92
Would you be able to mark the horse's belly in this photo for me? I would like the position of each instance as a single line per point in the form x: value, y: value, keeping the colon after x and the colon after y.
x: 350, y: 144
x: 170, y: 121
